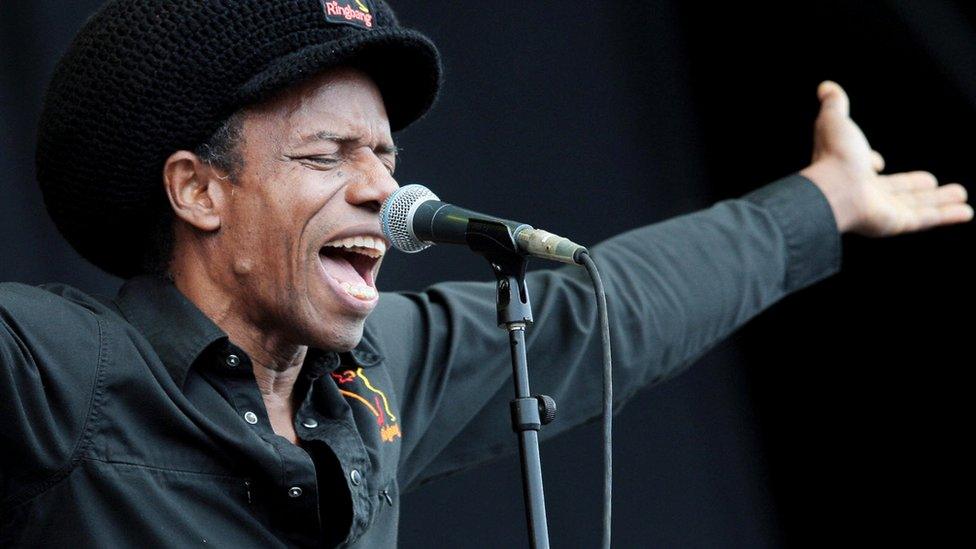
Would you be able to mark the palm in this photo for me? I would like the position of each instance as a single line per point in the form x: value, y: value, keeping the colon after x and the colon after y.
x: 885, y: 204
x: 912, y: 201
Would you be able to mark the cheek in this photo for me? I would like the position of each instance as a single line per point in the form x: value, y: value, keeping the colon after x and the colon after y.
x: 252, y: 237
x: 279, y: 223
x: 243, y: 266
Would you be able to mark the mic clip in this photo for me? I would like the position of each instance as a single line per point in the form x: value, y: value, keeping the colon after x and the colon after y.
x: 494, y: 241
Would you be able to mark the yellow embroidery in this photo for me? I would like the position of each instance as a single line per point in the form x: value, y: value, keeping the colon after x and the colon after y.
x: 386, y: 405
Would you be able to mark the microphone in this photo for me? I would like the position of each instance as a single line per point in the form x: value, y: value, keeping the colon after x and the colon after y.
x: 413, y: 219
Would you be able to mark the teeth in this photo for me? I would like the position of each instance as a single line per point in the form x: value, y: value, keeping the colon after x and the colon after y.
x: 359, y: 292
x: 367, y: 245
x: 367, y: 252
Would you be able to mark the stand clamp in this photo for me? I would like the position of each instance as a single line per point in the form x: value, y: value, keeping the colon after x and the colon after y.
x: 530, y: 414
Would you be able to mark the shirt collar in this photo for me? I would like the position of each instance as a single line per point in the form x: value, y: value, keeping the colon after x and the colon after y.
x: 180, y: 332
x: 173, y: 325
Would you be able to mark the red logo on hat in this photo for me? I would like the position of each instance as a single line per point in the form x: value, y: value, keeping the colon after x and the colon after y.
x: 357, y: 13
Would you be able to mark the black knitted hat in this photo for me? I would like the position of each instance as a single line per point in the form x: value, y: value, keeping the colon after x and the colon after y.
x: 145, y: 78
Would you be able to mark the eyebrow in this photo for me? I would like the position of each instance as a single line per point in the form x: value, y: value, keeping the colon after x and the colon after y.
x: 383, y: 148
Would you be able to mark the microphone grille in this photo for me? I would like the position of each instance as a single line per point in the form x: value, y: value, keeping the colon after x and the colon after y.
x: 396, y: 217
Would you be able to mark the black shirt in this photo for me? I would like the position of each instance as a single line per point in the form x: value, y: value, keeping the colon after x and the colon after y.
x: 134, y: 421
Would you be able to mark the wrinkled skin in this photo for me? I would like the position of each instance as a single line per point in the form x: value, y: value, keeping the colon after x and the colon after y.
x: 294, y: 193
x: 318, y: 160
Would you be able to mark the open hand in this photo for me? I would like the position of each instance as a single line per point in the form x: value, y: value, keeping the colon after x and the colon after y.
x: 864, y: 202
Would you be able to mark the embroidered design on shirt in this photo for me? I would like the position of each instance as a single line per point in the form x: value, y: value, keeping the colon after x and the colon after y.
x: 357, y: 13
x: 376, y: 402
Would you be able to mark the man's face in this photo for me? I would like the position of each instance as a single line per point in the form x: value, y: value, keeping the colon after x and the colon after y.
x: 301, y: 226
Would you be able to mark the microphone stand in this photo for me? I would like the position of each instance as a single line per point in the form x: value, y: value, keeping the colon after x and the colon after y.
x: 496, y: 243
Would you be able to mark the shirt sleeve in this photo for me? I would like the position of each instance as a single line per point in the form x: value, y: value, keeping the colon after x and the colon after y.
x: 674, y: 290
x: 49, y: 351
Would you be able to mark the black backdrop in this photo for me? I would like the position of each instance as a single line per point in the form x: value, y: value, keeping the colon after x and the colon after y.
x: 839, y: 415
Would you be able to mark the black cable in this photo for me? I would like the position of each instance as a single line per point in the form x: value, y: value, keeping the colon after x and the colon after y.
x: 601, y: 303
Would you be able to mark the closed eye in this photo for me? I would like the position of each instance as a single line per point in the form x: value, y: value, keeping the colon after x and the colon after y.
x: 317, y: 161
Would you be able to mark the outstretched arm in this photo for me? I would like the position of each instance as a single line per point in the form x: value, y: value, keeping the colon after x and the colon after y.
x: 675, y: 289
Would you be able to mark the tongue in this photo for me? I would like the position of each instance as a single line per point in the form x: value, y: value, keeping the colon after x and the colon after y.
x: 339, y: 268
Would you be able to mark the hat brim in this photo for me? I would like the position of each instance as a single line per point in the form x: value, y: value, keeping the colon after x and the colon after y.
x: 404, y: 64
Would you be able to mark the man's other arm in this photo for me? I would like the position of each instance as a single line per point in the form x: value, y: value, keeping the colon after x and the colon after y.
x: 49, y: 355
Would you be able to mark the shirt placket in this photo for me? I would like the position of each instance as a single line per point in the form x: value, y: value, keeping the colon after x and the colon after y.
x: 333, y: 424
x: 292, y: 496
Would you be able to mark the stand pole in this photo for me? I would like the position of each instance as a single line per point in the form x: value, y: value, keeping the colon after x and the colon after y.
x: 496, y: 243
x: 528, y: 435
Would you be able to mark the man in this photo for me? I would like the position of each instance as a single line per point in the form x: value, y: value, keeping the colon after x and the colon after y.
x: 249, y: 386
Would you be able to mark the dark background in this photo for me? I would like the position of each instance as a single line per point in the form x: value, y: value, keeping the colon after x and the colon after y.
x: 837, y: 416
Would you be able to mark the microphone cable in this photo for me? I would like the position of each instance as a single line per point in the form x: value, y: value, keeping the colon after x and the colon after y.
x: 601, y: 304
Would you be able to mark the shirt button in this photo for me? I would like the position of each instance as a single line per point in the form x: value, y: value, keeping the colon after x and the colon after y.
x: 310, y: 423
x: 233, y: 361
x: 294, y: 492
x: 250, y: 417
x: 355, y: 477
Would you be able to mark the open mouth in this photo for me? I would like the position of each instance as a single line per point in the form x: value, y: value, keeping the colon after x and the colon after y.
x: 351, y: 262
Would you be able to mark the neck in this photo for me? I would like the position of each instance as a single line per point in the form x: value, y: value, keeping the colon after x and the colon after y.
x: 276, y: 361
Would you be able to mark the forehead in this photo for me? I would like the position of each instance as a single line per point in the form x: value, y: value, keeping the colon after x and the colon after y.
x: 343, y: 101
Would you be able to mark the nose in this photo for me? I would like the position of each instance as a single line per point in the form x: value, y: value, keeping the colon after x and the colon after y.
x: 373, y: 186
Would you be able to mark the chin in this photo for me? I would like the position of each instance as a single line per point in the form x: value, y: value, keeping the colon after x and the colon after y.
x: 340, y: 337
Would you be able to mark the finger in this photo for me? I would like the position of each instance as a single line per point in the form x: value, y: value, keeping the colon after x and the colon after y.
x: 925, y: 218
x: 833, y: 99
x: 953, y: 193
x: 935, y: 216
x: 955, y: 213
x: 877, y: 161
x: 909, y: 181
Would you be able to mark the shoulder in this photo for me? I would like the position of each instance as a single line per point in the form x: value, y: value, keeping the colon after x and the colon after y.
x: 54, y: 349
x: 53, y: 318
x: 53, y: 303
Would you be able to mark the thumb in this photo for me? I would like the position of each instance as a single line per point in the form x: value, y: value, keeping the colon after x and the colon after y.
x: 833, y: 100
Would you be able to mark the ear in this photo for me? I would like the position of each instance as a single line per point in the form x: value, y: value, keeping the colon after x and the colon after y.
x: 194, y: 190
